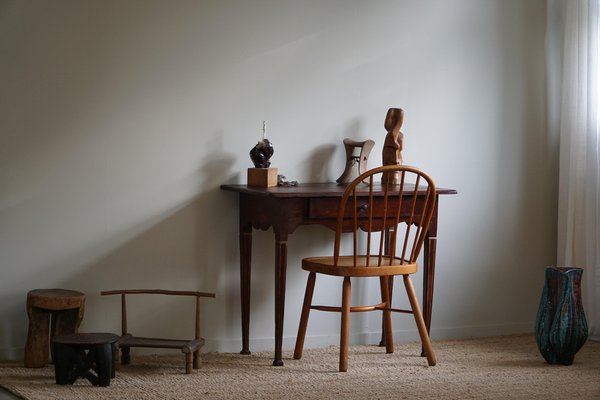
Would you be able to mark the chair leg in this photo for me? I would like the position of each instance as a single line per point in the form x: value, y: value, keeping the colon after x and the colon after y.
x: 414, y: 303
x: 345, y: 324
x: 387, y: 314
x: 308, y: 295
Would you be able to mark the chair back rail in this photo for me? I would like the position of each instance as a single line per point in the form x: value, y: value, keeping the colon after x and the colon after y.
x: 411, y: 201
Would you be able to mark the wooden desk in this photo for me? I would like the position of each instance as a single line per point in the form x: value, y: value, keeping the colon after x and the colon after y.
x: 286, y: 208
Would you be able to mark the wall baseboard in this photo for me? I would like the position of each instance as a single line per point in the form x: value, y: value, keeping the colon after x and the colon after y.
x: 316, y: 341
x: 408, y: 335
x: 11, y: 353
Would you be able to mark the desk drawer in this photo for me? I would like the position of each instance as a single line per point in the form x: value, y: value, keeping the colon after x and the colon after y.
x: 327, y: 208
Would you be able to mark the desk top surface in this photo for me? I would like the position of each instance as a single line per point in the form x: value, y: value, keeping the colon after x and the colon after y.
x: 330, y: 189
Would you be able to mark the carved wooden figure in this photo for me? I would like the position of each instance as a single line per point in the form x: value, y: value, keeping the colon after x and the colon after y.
x: 392, y: 146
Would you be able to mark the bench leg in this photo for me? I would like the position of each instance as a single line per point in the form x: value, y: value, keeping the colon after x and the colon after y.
x: 196, y: 364
x: 125, y: 355
x: 188, y: 363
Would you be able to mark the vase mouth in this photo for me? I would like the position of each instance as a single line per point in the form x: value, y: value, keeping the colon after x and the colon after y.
x: 565, y: 270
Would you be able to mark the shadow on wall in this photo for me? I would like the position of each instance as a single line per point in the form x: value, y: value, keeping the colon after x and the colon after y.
x: 326, y: 163
x: 192, y: 246
x: 318, y: 163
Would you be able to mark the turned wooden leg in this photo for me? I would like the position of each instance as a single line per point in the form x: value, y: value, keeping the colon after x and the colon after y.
x: 308, y: 295
x: 345, y: 331
x: 387, y: 317
x: 280, y: 277
x: 414, y: 303
x: 245, y: 268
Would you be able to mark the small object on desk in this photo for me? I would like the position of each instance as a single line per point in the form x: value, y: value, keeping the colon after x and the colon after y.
x: 361, y: 159
x: 282, y: 181
x: 263, y: 151
x: 392, y: 146
x: 262, y: 175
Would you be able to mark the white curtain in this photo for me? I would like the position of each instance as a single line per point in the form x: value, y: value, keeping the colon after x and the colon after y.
x: 573, y: 30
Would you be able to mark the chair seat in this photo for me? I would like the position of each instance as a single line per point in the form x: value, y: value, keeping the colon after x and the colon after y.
x: 345, y: 267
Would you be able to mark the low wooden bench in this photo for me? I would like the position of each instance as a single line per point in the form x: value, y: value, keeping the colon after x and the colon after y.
x: 191, y: 347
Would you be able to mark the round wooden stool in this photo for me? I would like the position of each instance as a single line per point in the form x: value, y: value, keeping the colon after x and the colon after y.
x: 79, y: 355
x: 51, y: 312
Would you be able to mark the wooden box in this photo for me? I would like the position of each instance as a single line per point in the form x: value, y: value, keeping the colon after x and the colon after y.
x: 262, y: 177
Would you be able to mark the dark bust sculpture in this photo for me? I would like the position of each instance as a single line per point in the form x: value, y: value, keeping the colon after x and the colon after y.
x: 262, y: 152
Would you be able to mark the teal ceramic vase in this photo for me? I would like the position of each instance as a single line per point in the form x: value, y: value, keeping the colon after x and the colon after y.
x: 561, y: 328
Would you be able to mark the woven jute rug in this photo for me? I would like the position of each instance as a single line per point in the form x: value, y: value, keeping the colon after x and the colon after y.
x: 507, y: 367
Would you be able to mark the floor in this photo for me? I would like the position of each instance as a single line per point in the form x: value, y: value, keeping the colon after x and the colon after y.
x: 5, y: 395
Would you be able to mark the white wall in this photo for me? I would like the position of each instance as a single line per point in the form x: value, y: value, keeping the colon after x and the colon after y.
x: 120, y: 119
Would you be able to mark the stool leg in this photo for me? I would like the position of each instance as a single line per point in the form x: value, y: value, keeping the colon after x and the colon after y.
x: 104, y: 363
x: 86, y: 363
x: 37, y: 346
x: 62, y: 364
x: 115, y: 365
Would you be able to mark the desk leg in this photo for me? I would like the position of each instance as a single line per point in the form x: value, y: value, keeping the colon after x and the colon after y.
x: 280, y: 272
x: 390, y: 282
x: 428, y: 280
x: 245, y: 264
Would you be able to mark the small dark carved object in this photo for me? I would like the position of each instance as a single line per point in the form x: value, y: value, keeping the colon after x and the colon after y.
x: 282, y: 181
x: 262, y: 152
x: 392, y: 147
